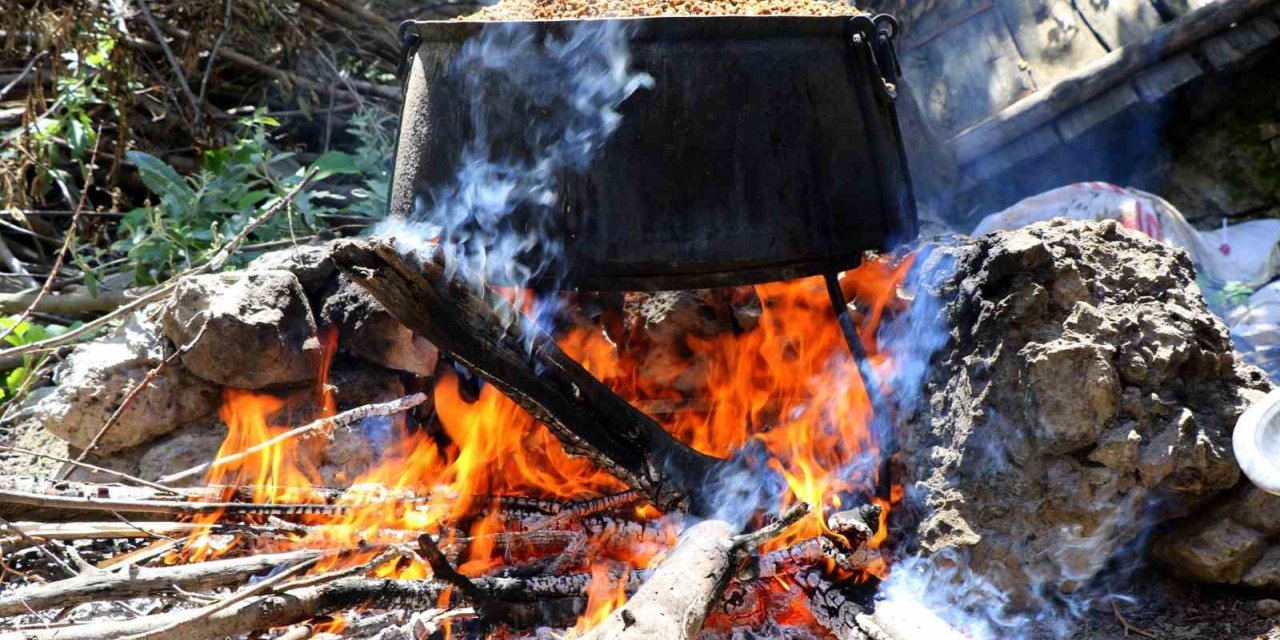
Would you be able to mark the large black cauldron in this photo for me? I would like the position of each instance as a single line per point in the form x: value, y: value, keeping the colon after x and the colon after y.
x: 768, y: 148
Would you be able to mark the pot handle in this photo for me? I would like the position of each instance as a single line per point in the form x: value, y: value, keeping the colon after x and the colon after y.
x: 874, y: 37
x: 409, y: 41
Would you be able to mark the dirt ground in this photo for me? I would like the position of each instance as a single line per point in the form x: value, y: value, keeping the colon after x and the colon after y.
x: 1170, y: 609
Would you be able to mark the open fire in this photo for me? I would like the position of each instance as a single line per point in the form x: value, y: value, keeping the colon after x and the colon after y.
x: 499, y: 495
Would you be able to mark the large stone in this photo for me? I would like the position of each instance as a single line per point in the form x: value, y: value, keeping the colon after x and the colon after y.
x: 1070, y: 417
x: 1265, y: 572
x: 95, y: 379
x: 249, y: 330
x: 1219, y: 551
x: 367, y: 330
x: 1083, y: 380
x: 311, y: 263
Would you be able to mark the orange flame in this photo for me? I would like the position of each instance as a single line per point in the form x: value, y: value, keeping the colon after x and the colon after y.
x: 605, y: 593
x: 788, y: 384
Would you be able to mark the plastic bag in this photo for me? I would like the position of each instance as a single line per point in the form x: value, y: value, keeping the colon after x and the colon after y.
x: 1247, y: 253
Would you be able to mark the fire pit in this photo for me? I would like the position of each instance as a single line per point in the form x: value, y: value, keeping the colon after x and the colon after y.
x: 426, y: 433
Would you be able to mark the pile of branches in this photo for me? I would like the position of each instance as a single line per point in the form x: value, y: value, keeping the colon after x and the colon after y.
x: 171, y: 77
x: 544, y: 543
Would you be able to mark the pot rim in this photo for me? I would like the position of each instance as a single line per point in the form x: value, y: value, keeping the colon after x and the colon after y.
x: 655, y: 27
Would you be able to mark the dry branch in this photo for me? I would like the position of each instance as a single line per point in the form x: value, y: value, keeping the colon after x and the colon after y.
x: 293, y: 605
x: 172, y: 507
x: 445, y: 304
x: 116, y: 530
x: 143, y: 581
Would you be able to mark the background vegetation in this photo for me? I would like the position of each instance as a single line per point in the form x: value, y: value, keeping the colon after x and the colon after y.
x: 140, y: 139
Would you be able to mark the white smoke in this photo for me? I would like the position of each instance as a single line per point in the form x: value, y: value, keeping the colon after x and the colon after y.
x: 541, y: 106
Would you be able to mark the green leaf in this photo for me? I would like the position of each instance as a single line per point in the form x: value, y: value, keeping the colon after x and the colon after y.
x: 334, y: 163
x: 13, y: 381
x: 161, y: 179
x: 252, y: 199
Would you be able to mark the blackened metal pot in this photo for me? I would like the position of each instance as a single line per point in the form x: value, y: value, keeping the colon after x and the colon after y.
x: 767, y: 148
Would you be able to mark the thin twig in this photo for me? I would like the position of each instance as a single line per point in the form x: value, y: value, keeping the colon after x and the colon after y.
x: 66, y: 243
x: 768, y: 532
x: 31, y: 64
x: 323, y: 424
x: 173, y: 61
x: 444, y: 571
x: 248, y: 592
x: 35, y: 543
x: 1124, y: 624
x: 213, y: 53
x: 91, y: 467
x: 394, y: 551
x: 13, y: 264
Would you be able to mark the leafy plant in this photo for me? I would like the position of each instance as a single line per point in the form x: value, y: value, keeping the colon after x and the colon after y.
x: 193, y: 217
x: 64, y: 132
x: 374, y: 130
x: 24, y: 332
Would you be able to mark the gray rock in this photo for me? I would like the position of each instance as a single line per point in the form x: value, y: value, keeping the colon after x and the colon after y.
x: 257, y: 327
x: 1265, y: 572
x: 95, y: 379
x: 355, y: 448
x: 185, y: 448
x: 311, y: 263
x: 1083, y: 377
x: 367, y: 330
x: 1220, y: 550
x: 1267, y: 608
x: 1069, y: 417
x: 1256, y: 508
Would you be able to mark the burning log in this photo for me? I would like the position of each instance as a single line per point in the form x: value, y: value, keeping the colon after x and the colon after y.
x: 674, y: 602
x: 443, y: 302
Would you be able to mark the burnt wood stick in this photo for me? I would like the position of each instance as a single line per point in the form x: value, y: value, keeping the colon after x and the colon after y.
x: 173, y: 507
x: 558, y: 595
x: 674, y: 602
x: 895, y: 618
x: 143, y: 581
x: 834, y: 610
x: 444, y: 303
